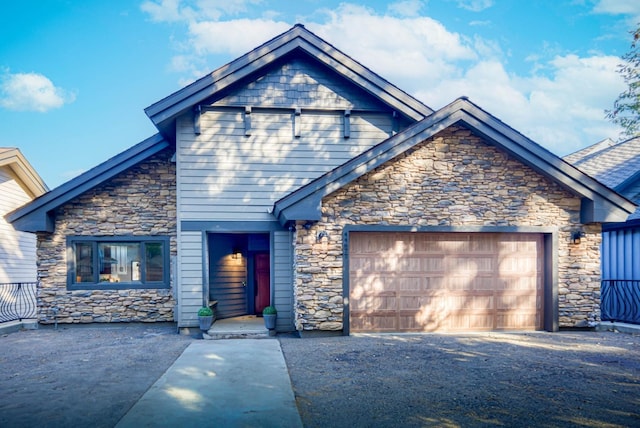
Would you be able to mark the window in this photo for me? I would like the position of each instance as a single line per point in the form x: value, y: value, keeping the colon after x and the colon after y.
x: 117, y: 262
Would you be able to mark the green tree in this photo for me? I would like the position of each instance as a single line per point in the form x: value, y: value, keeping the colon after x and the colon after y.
x: 626, y: 108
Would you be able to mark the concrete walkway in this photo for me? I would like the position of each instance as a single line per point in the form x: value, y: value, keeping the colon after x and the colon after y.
x: 226, y: 383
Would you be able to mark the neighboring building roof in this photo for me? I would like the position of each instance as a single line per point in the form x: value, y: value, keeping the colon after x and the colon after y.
x: 612, y: 165
x: 599, y: 203
x: 583, y: 153
x: 615, y: 165
x: 36, y: 216
x: 297, y: 40
x: 30, y: 180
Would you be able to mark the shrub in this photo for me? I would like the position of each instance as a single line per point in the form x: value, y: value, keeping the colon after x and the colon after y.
x: 205, y: 312
x: 269, y: 310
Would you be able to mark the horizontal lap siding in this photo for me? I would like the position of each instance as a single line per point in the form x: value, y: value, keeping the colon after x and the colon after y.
x: 226, y: 175
x: 17, y: 249
x: 283, y: 279
x: 191, y: 287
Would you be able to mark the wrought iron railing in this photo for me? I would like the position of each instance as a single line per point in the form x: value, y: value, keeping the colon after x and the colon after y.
x: 18, y: 301
x: 620, y: 300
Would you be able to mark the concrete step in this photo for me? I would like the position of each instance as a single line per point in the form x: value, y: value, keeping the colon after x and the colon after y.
x: 235, y: 335
x: 246, y: 327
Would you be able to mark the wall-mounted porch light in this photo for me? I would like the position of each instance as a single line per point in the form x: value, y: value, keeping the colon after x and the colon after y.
x: 575, y: 236
x: 321, y: 235
x: 236, y: 253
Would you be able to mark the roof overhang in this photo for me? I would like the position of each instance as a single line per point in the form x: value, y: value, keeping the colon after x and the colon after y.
x: 28, y: 178
x: 38, y: 215
x: 600, y: 204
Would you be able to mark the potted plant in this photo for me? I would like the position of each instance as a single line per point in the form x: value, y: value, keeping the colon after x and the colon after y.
x: 205, y: 317
x: 269, y: 314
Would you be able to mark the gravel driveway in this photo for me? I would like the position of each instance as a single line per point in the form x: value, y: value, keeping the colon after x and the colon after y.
x: 89, y: 376
x: 562, y: 379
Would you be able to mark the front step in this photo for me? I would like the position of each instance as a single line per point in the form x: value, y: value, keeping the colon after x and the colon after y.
x: 235, y: 335
x: 246, y: 327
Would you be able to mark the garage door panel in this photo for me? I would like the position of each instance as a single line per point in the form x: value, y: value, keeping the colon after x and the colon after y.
x: 506, y: 321
x: 466, y: 302
x: 372, y: 304
x: 407, y: 284
x: 465, y: 264
x: 445, y: 281
x: 378, y: 322
x: 517, y: 302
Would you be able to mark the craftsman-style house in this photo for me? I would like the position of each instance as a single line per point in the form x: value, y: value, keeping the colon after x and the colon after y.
x: 295, y: 176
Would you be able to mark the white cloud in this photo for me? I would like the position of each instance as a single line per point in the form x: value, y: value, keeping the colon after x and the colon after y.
x: 165, y: 11
x: 475, y: 5
x: 31, y: 92
x: 232, y: 37
x: 563, y: 112
x: 414, y: 51
x: 617, y: 7
x: 194, y: 10
x: 406, y: 7
x: 629, y: 9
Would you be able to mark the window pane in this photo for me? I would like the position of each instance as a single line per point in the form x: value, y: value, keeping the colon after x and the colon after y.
x: 119, y: 262
x: 84, y: 262
x: 155, y: 265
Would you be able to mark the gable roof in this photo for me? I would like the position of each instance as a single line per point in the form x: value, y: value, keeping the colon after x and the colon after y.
x: 599, y: 203
x: 37, y: 215
x: 297, y: 40
x: 30, y: 180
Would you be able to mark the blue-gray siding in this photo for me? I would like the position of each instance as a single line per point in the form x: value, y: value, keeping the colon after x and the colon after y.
x: 282, y: 279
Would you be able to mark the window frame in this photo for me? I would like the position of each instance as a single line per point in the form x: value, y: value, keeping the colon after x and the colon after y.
x: 72, y: 284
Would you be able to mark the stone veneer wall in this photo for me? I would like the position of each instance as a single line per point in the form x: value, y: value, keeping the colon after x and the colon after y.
x: 140, y: 201
x: 452, y: 179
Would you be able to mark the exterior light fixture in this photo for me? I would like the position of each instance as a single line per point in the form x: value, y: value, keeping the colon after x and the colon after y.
x: 575, y: 236
x: 236, y: 254
x: 321, y: 235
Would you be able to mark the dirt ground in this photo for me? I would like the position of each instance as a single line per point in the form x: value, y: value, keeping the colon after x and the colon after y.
x: 566, y: 379
x: 81, y: 376
x: 89, y: 376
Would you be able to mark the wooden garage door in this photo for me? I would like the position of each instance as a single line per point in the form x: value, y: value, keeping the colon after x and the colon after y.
x: 445, y: 281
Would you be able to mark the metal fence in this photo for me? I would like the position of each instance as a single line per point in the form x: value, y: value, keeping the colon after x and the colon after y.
x: 18, y: 301
x: 620, y: 300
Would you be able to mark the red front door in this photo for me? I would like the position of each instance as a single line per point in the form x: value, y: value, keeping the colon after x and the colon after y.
x: 263, y: 294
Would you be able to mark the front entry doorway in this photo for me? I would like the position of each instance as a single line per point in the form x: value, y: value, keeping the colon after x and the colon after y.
x: 239, y: 274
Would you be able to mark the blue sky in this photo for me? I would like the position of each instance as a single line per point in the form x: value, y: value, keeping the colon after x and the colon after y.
x: 75, y: 75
